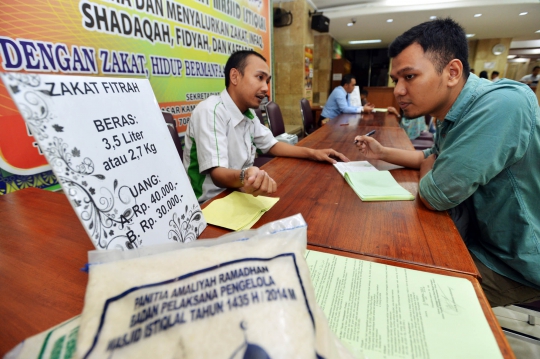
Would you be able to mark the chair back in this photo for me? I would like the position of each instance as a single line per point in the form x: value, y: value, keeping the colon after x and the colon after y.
x: 171, y: 125
x: 275, y: 118
x: 307, y: 116
x: 259, y: 114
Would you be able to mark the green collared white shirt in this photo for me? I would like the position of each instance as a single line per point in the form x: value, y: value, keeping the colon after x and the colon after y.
x: 219, y: 135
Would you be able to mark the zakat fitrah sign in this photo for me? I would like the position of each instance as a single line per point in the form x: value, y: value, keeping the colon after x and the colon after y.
x: 111, y: 151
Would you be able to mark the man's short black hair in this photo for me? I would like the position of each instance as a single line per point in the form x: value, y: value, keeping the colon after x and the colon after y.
x: 536, y: 67
x: 495, y: 73
x: 364, y: 92
x: 238, y: 60
x: 346, y: 79
x: 442, y: 39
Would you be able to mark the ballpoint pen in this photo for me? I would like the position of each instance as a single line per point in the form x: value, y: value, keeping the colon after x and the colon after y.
x: 370, y: 133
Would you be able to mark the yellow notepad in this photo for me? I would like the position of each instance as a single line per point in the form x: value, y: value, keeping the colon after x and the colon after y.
x: 238, y: 210
x: 377, y: 186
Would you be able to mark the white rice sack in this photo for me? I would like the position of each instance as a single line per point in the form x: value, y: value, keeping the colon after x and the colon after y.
x: 224, y: 298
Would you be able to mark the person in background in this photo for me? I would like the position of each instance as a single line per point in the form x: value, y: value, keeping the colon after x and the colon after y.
x: 339, y: 103
x: 495, y: 76
x: 472, y: 71
x: 483, y: 167
x: 532, y: 79
x: 483, y: 75
x: 412, y: 126
x: 224, y: 133
x: 363, y: 97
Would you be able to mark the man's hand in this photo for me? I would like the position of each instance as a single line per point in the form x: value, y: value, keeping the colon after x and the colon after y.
x: 393, y: 111
x: 328, y: 155
x: 369, y: 147
x: 286, y: 150
x: 368, y: 107
x: 258, y: 182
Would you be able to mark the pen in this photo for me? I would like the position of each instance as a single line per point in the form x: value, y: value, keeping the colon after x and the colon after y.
x: 370, y: 133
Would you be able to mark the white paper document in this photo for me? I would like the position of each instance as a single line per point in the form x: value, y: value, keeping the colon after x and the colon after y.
x: 382, y: 311
x: 354, y: 166
x: 354, y: 97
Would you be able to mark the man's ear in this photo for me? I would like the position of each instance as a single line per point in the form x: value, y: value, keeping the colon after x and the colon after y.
x: 455, y: 72
x: 234, y: 76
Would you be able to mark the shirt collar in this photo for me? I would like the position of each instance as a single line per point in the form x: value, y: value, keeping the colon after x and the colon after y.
x: 465, y: 96
x: 234, y: 111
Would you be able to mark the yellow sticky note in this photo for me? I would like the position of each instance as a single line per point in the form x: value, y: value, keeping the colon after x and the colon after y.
x: 238, y: 210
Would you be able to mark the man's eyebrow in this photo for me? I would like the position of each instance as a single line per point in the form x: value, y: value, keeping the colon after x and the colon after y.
x: 405, y: 69
x: 263, y: 72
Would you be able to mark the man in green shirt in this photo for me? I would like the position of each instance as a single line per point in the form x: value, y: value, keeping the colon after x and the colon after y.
x: 483, y: 167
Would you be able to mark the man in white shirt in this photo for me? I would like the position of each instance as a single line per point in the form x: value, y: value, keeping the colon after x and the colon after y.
x: 224, y: 134
x: 532, y: 79
x: 495, y: 76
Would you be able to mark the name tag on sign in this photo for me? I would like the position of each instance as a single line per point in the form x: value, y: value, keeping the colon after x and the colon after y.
x: 108, y: 145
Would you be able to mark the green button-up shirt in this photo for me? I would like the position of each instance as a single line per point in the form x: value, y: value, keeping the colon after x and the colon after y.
x: 488, y: 147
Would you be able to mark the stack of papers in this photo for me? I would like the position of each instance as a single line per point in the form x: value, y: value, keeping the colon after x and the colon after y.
x: 354, y: 166
x: 382, y: 311
x: 377, y: 186
x: 238, y: 210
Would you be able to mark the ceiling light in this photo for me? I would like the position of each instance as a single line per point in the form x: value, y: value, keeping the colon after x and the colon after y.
x: 523, y: 13
x: 432, y: 17
x: 477, y: 15
x: 511, y: 56
x: 364, y: 42
x: 353, y: 21
x: 390, y: 20
x: 520, y: 60
x: 350, y: 24
x: 470, y: 35
x: 537, y: 32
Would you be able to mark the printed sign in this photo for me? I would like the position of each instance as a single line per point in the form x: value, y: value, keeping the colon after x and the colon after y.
x: 111, y: 151
x: 181, y: 46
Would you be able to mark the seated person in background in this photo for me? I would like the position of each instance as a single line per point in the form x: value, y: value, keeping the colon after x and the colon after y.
x: 483, y: 167
x: 412, y: 126
x: 532, y: 79
x: 483, y: 75
x: 224, y: 133
x: 363, y: 97
x: 338, y: 102
x: 495, y: 76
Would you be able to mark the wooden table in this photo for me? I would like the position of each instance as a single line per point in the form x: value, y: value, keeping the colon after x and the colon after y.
x: 404, y: 231
x: 42, y: 248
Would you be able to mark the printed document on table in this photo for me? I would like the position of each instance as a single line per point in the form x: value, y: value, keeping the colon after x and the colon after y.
x: 354, y: 166
x: 382, y: 311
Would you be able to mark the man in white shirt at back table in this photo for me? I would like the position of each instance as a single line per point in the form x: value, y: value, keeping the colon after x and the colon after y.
x: 532, y: 79
x: 339, y: 103
x: 224, y: 134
